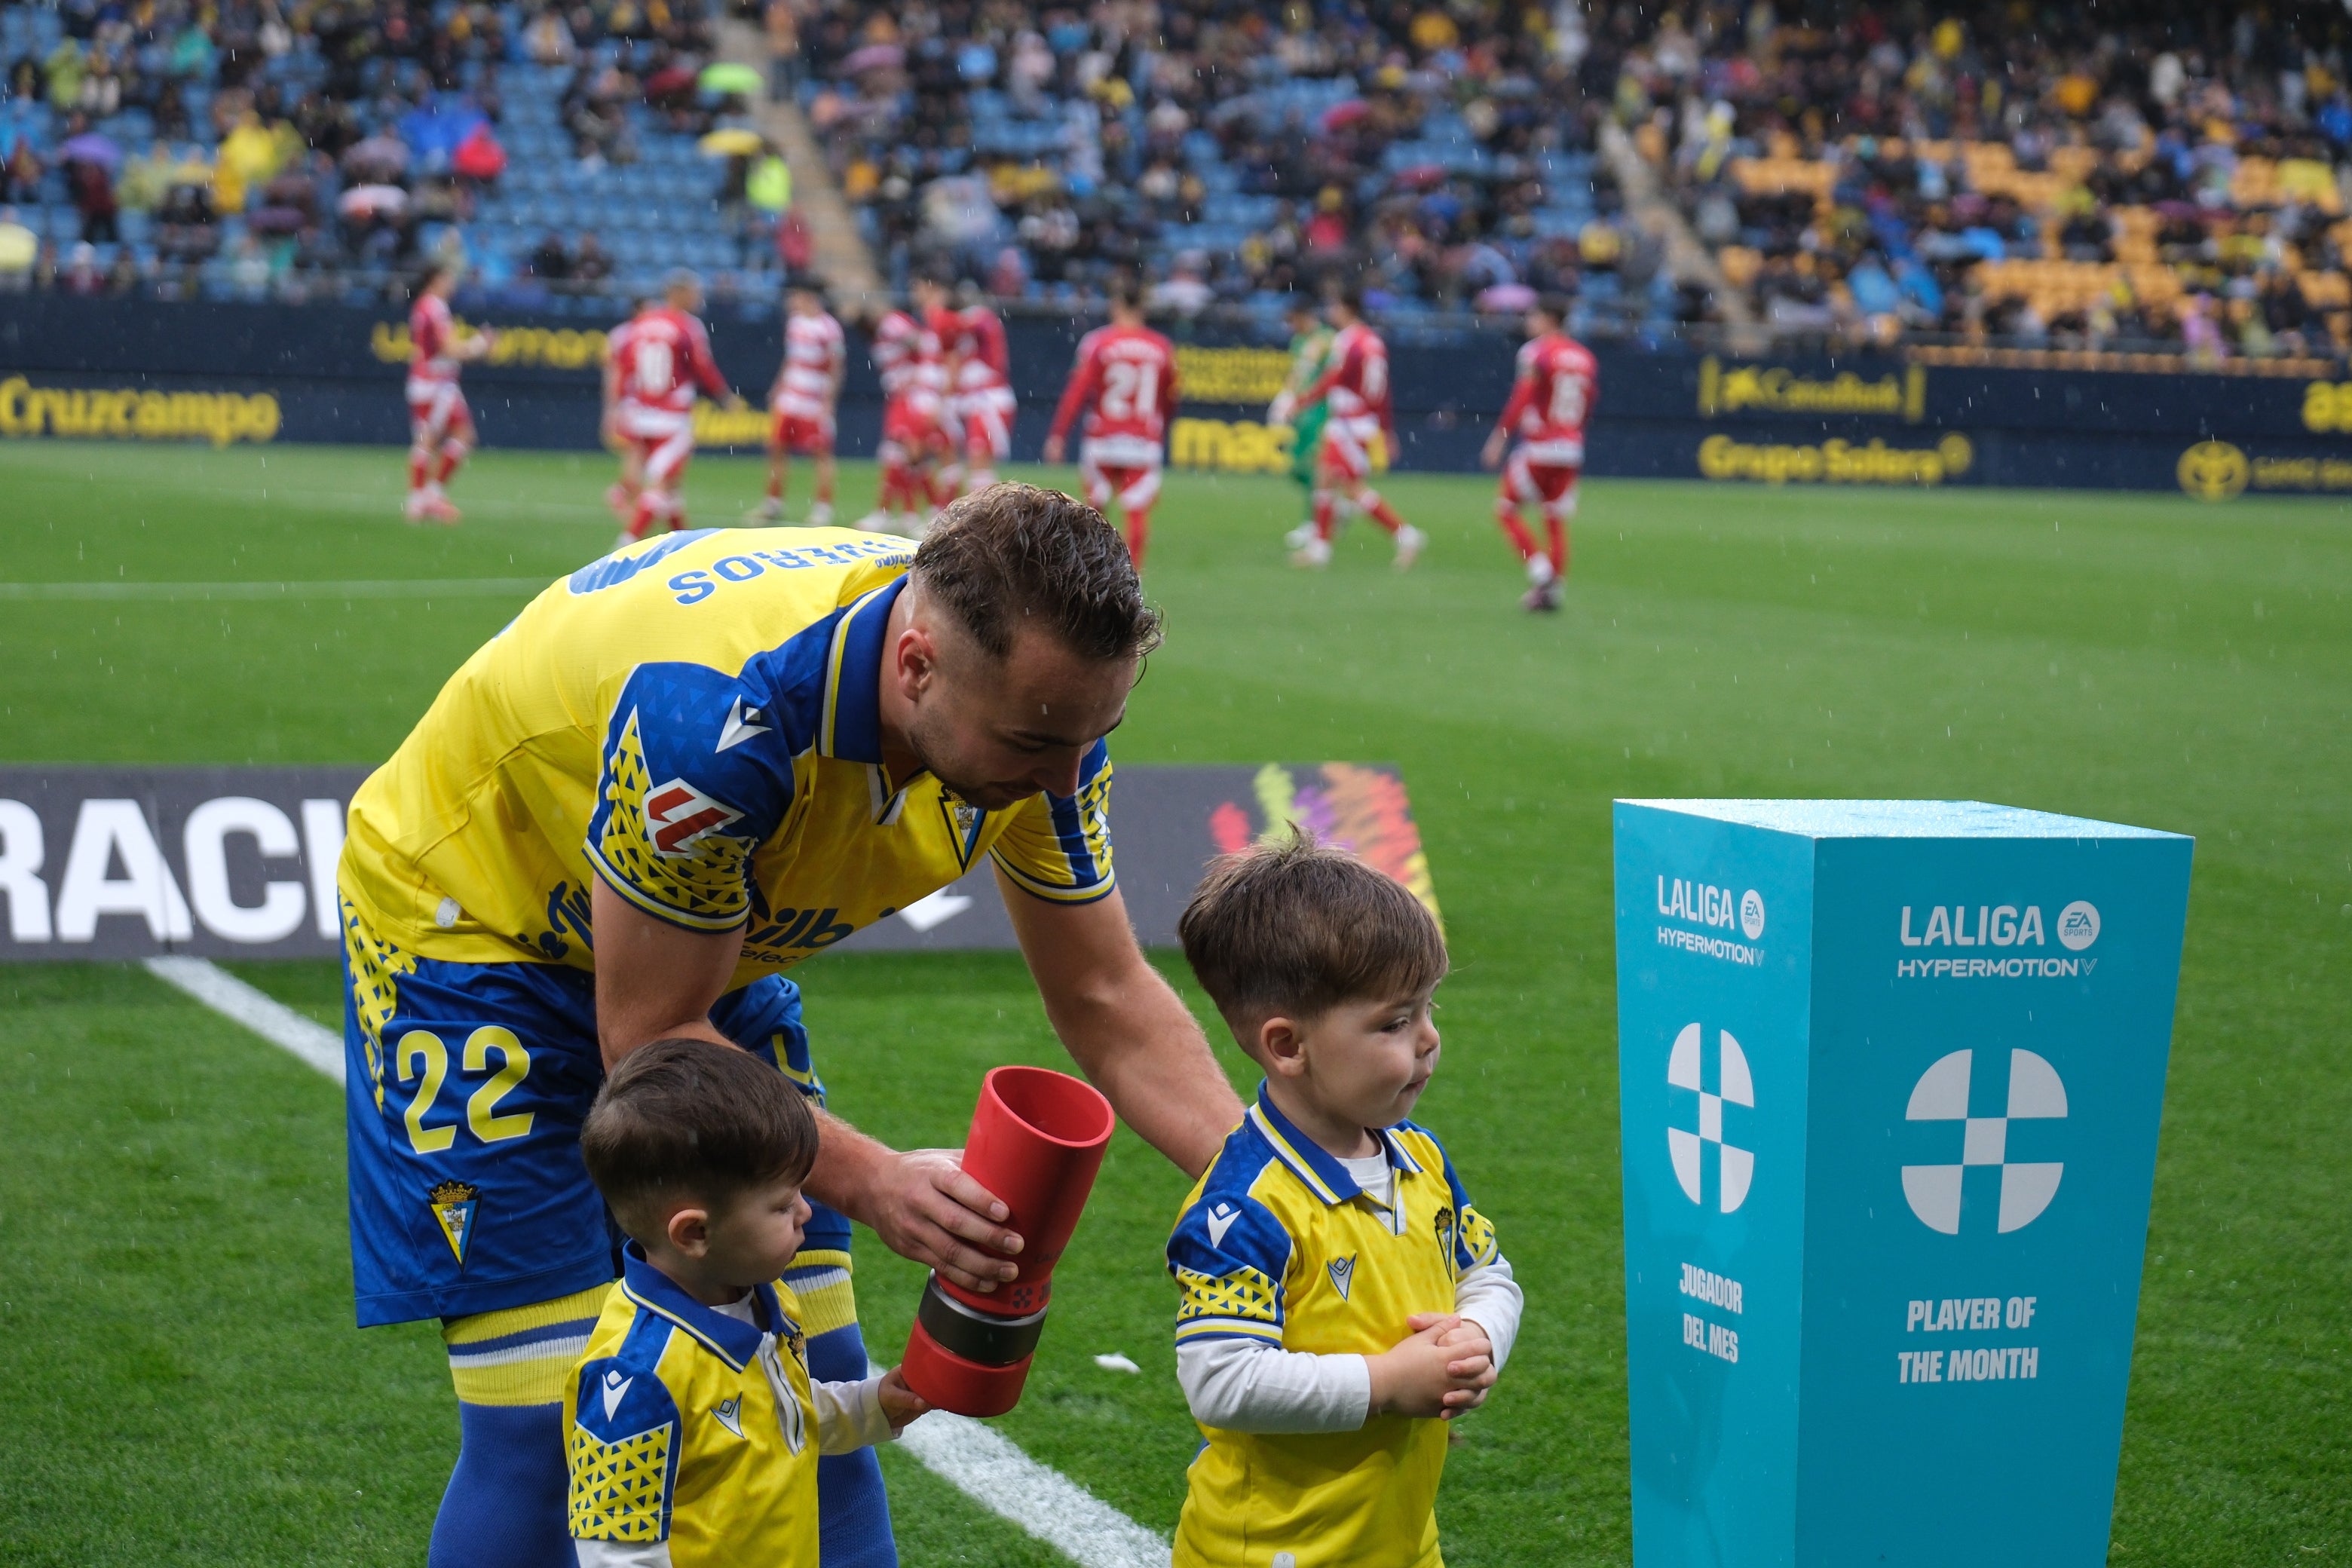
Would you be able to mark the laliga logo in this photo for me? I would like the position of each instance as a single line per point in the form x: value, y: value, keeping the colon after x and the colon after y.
x: 1736, y: 1166
x: 1942, y: 1095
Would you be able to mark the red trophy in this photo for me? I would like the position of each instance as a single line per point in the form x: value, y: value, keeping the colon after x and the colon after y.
x: 1037, y: 1139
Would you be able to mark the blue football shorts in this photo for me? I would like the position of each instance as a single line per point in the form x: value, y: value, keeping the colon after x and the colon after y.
x: 467, y: 1086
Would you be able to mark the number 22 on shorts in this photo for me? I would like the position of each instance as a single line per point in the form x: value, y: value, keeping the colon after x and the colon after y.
x: 421, y: 1049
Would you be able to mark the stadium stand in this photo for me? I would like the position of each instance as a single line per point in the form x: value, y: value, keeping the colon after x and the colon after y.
x: 2166, y: 176
x: 250, y: 151
x: 1232, y: 152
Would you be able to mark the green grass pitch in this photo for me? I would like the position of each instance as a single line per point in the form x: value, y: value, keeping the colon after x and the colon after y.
x: 178, y: 1379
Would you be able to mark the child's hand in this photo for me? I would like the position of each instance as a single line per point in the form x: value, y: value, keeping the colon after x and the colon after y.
x: 1473, y: 1367
x: 1417, y: 1377
x: 900, y: 1404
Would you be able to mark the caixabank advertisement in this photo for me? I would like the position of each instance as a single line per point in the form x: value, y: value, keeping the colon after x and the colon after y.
x: 1892, y: 1074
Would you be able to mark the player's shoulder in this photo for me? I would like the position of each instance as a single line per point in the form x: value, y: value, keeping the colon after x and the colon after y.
x: 1093, y: 342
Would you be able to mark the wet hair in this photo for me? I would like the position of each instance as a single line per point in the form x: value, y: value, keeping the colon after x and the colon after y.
x: 1294, y: 928
x: 688, y: 1118
x: 1013, y: 555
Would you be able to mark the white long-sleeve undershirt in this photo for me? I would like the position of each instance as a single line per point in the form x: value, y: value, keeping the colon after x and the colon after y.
x: 1250, y: 1386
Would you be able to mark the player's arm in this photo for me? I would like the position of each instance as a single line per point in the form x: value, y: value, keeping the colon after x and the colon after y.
x: 655, y: 980
x: 1076, y: 395
x: 1123, y: 1024
x: 705, y: 368
x: 1523, y: 392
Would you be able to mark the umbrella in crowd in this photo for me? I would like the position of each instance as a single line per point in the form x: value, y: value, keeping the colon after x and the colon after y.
x: 382, y: 157
x: 728, y: 77
x: 874, y: 58
x: 373, y: 201
x: 1346, y: 113
x: 92, y: 148
x: 731, y: 143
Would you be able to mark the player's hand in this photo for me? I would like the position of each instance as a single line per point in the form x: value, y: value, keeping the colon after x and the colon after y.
x: 1054, y: 448
x: 735, y: 403
x: 923, y: 1206
x: 1492, y: 453
x: 900, y: 1404
x: 1279, y: 411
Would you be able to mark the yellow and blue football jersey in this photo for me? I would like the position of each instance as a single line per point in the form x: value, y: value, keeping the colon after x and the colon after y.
x: 686, y: 1427
x: 1278, y: 1243
x: 696, y: 721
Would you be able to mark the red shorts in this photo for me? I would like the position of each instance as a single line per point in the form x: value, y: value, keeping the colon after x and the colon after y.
x: 1348, y: 446
x: 802, y: 436
x: 1530, y: 484
x: 436, y: 410
x: 1133, y: 488
x: 912, y: 432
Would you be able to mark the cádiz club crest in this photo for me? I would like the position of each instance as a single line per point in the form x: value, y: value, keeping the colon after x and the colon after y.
x: 454, y: 1204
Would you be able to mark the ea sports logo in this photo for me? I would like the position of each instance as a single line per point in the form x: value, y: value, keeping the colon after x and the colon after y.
x: 1942, y: 1095
x: 1736, y: 1166
x: 1751, y: 914
x: 2078, y: 925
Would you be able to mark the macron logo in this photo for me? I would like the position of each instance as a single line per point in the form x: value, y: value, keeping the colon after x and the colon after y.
x: 730, y: 1412
x: 680, y: 816
x: 1343, y: 1273
x: 1221, y: 1220
x: 742, y: 723
x: 616, y: 1388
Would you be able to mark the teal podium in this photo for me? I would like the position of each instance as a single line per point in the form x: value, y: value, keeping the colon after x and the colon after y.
x: 1891, y: 1073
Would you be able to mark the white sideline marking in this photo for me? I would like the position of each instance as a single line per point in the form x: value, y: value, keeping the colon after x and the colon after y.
x: 981, y: 1463
x: 314, y: 1044
x: 976, y: 1459
x: 378, y: 588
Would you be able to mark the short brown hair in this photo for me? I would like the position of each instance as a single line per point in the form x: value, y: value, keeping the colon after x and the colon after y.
x: 1014, y: 555
x: 687, y: 1118
x: 1294, y: 928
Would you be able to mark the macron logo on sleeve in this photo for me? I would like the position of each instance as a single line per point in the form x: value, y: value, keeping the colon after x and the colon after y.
x: 679, y: 817
x: 1221, y: 1220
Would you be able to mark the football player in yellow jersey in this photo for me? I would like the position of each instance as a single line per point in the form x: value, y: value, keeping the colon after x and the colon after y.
x: 1340, y: 1299
x: 676, y: 773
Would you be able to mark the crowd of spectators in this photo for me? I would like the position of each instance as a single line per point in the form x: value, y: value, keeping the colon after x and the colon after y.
x: 293, y: 148
x: 2170, y: 175
x: 1441, y: 150
x: 2166, y: 174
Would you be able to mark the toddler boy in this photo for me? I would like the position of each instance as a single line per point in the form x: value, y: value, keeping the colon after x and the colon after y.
x: 1341, y: 1299
x: 692, y: 1429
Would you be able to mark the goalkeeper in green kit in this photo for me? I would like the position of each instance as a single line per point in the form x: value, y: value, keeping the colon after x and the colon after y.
x: 1310, y: 346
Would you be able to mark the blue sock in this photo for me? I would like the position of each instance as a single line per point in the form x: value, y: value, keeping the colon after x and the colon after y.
x: 853, y: 1511
x: 505, y: 1505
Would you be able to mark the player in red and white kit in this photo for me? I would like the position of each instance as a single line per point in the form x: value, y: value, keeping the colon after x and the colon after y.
x: 1552, y: 397
x: 657, y: 363
x: 917, y: 439
x: 1355, y: 391
x: 807, y: 391
x: 980, y: 371
x: 1125, y: 380
x: 440, y: 425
